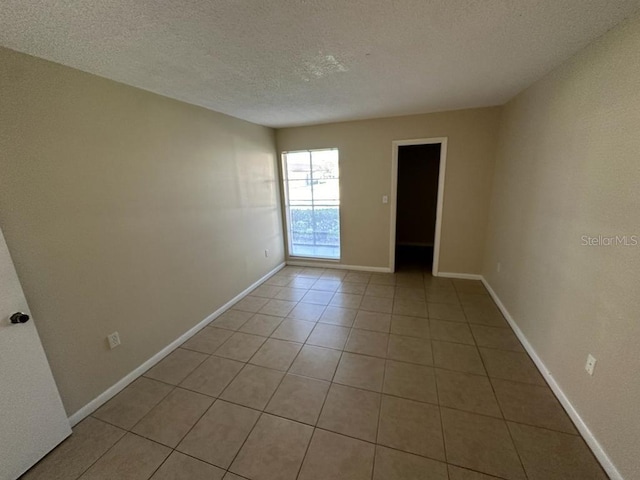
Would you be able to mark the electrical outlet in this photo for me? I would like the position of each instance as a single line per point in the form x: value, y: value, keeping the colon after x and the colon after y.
x: 385, y: 199
x: 591, y: 364
x: 114, y: 340
x: 498, y: 267
x: 266, y: 253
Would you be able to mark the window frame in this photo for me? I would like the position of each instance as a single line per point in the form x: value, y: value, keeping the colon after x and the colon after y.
x: 287, y: 206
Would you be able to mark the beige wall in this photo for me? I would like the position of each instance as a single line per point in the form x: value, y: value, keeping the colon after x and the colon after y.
x: 568, y: 165
x: 365, y: 176
x: 126, y: 211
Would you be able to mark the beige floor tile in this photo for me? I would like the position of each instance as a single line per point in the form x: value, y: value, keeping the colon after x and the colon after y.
x: 260, y: 324
x: 346, y: 300
x: 134, y: 402
x: 480, y: 443
x: 251, y: 304
x: 338, y: 316
x: 169, y: 421
x: 299, y: 398
x: 469, y: 286
x: 410, y: 308
x: 367, y: 343
x: 212, y: 376
x: 514, y: 366
x: 410, y: 280
x: 411, y: 426
x: 231, y: 319
x: 475, y: 299
x: 326, y: 284
x: 382, y: 279
x: 276, y: 354
x: 484, y: 315
x: 410, y: 293
x: 311, y: 272
x: 91, y: 438
x: 253, y: 387
x: 377, y: 322
x: 176, y: 366
x: 219, y: 434
x: 279, y: 281
x: 274, y: 450
x: 437, y: 282
x: 496, y: 337
x: 318, y: 297
x: 376, y: 304
x: 471, y: 393
x: 132, y: 458
x: 309, y: 312
x: 277, y: 308
x: 377, y: 290
x: 410, y: 326
x: 446, y: 311
x: 407, y: 380
x: 291, y: 294
x: 443, y: 295
x: 181, y: 467
x: 266, y: 291
x: 293, y: 330
x: 410, y: 349
x: 240, y: 347
x: 349, y: 459
x: 207, y: 340
x: 316, y: 362
x: 233, y: 476
x: 353, y: 289
x: 330, y: 336
x: 351, y: 411
x: 457, y: 473
x: 395, y: 465
x: 360, y: 371
x: 455, y: 356
x: 302, y: 282
x: 533, y: 405
x: 456, y: 332
x: 549, y: 455
x: 334, y: 274
x: 358, y: 277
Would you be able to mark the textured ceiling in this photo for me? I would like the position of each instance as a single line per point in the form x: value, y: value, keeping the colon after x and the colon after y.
x: 293, y: 62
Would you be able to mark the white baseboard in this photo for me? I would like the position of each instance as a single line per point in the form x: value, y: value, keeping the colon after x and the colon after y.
x: 112, y: 391
x: 462, y: 276
x: 339, y: 266
x: 582, y: 427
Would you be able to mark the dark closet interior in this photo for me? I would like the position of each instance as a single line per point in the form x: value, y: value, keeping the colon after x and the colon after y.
x: 417, y: 194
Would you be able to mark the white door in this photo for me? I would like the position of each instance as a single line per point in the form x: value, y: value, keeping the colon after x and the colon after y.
x: 32, y: 419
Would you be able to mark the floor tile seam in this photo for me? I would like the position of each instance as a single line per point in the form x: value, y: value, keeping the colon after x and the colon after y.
x: 513, y: 442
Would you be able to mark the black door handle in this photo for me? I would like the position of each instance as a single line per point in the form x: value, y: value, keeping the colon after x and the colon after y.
x: 19, y: 317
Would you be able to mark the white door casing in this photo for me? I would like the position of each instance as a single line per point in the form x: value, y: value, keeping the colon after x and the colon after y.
x: 395, y: 147
x: 32, y: 418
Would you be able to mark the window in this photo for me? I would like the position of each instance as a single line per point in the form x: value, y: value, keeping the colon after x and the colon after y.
x: 312, y: 199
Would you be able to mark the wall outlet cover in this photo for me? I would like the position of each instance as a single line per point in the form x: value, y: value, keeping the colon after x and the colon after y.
x: 114, y: 340
x: 591, y: 364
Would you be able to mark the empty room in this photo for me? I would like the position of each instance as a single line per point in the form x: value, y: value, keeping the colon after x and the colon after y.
x: 318, y: 240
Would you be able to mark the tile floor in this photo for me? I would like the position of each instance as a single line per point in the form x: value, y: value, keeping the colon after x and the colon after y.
x: 329, y: 374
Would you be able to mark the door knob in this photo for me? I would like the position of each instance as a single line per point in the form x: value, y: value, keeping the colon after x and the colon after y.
x: 19, y: 317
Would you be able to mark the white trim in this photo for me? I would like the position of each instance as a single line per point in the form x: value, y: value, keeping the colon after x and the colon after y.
x: 582, y: 427
x: 394, y: 197
x: 116, y: 388
x: 463, y: 276
x: 339, y: 266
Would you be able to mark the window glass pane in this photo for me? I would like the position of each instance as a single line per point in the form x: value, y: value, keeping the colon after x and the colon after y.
x: 312, y: 190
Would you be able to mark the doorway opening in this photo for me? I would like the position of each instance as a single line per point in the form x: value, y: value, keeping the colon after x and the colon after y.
x: 416, y: 210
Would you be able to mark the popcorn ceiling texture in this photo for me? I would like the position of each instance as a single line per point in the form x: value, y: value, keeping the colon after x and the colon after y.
x: 284, y: 62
